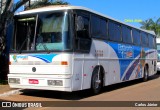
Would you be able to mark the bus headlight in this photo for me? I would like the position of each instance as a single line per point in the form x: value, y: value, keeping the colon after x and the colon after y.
x: 14, y: 80
x: 55, y: 82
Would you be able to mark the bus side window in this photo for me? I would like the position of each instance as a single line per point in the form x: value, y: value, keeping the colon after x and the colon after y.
x: 82, y: 27
x: 83, y: 41
x: 144, y: 38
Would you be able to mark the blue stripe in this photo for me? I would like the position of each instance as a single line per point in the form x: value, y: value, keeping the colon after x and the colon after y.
x: 130, y: 70
x: 45, y: 57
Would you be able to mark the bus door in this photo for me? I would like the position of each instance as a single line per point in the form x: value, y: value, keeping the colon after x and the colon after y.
x: 82, y: 48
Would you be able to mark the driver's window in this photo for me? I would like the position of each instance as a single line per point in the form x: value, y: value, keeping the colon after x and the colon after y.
x: 83, y: 40
x: 82, y: 26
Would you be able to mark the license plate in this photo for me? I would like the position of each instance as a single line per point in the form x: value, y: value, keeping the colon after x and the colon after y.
x: 33, y: 81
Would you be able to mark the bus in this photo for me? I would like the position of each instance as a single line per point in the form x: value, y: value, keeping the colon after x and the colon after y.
x: 72, y: 48
x: 158, y: 53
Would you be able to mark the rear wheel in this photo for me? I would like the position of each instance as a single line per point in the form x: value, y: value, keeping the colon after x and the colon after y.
x: 96, y: 83
x: 145, y: 74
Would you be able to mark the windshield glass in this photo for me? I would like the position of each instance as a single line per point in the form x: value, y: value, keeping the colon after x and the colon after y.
x: 41, y: 32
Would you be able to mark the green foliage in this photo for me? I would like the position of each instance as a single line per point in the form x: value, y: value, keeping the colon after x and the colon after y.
x: 44, y: 3
x: 153, y: 25
x: 59, y: 3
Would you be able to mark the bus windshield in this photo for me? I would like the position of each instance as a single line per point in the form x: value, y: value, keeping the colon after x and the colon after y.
x: 41, y: 32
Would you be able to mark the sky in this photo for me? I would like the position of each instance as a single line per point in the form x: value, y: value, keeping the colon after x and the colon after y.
x: 128, y: 11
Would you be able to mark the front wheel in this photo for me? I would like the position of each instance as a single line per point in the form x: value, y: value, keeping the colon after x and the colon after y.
x: 96, y: 83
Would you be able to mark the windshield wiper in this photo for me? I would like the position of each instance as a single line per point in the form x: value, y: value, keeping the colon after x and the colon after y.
x: 45, y: 47
x: 20, y: 50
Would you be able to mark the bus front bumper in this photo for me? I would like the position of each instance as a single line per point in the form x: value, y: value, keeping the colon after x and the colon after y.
x: 41, y: 82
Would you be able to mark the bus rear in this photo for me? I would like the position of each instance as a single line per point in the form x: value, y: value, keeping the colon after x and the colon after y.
x: 158, y: 54
x: 40, y: 56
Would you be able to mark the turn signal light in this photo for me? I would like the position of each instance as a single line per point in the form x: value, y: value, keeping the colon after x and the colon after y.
x: 64, y: 63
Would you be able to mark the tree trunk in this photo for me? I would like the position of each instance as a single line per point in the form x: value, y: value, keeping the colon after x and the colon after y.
x: 3, y: 56
x: 4, y: 68
x: 6, y: 17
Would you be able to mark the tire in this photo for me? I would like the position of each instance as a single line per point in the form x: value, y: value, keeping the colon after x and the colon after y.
x: 145, y: 74
x: 96, y: 85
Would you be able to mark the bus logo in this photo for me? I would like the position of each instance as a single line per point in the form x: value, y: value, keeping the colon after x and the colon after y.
x: 129, y: 54
x: 125, y: 51
x: 15, y: 58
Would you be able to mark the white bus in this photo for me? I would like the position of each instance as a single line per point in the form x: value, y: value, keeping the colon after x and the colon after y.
x: 71, y: 48
x: 158, y: 53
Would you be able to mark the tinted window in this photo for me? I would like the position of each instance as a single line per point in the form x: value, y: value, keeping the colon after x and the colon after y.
x: 82, y: 26
x: 144, y: 38
x: 154, y: 40
x: 136, y: 37
x: 151, y: 40
x: 83, y: 41
x: 114, y: 31
x: 126, y: 34
x: 99, y: 27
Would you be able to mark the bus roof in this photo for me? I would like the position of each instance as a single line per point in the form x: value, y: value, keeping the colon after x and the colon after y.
x: 68, y: 7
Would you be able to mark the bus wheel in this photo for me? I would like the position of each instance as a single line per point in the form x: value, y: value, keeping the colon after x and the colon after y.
x: 145, y: 74
x: 96, y: 83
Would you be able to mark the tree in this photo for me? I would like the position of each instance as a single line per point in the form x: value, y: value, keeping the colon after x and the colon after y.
x: 43, y: 3
x: 147, y: 24
x: 5, y: 17
x: 150, y: 24
x: 156, y: 27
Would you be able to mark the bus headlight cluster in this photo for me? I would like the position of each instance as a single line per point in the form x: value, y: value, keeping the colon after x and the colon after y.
x: 55, y: 82
x: 14, y: 80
